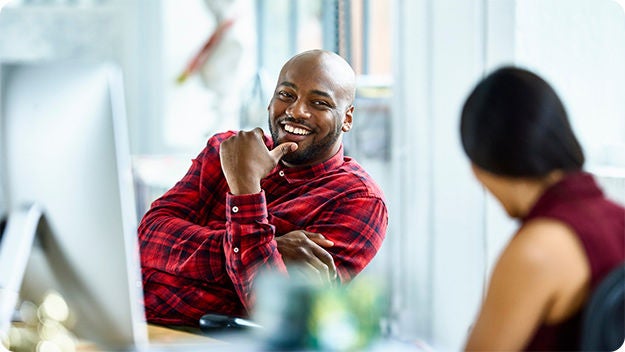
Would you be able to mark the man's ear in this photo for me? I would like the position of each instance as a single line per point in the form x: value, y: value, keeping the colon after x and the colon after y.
x: 347, y: 120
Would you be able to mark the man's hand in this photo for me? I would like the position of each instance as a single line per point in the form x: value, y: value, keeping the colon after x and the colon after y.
x: 245, y: 160
x: 301, y: 248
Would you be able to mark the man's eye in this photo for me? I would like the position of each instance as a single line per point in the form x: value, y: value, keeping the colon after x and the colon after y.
x: 321, y: 103
x: 284, y: 94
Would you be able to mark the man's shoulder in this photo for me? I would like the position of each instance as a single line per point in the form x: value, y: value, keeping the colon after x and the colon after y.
x: 352, y: 166
x: 360, y: 179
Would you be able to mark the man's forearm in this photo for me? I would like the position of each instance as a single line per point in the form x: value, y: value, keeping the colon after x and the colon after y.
x: 249, y: 244
x: 182, y: 248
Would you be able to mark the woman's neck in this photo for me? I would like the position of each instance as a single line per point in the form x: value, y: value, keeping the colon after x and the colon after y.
x: 525, y: 192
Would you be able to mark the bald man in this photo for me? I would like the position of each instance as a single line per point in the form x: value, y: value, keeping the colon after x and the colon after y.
x: 250, y: 203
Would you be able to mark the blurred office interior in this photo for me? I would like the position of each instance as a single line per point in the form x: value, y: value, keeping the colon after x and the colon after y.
x: 416, y: 61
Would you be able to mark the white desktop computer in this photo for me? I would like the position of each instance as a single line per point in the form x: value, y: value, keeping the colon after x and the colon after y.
x: 64, y: 157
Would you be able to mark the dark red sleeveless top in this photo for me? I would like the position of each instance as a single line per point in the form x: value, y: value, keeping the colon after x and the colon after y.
x: 599, y: 224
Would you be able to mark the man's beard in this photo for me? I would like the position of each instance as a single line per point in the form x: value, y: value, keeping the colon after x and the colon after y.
x: 303, y: 156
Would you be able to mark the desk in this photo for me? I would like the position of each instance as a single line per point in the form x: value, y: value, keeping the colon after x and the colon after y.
x: 161, y: 339
x: 166, y: 339
x: 160, y: 334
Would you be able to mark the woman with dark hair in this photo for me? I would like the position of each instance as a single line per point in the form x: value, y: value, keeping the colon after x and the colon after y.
x: 516, y: 133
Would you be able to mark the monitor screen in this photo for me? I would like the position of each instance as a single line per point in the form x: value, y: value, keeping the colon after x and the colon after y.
x: 65, y: 147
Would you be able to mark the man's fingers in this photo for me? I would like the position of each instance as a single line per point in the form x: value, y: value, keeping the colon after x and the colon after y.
x: 323, y: 242
x: 317, y: 269
x: 318, y: 238
x: 308, y: 249
x: 324, y: 256
x: 327, y: 262
x: 283, y: 149
x: 258, y: 132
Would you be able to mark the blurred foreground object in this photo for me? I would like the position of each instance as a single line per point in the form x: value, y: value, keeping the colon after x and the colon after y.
x: 43, y: 328
x: 297, y: 314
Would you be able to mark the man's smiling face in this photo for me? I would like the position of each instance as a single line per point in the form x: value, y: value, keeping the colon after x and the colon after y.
x: 311, y: 106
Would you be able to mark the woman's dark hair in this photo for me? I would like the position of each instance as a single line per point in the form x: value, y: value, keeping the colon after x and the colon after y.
x: 514, y: 124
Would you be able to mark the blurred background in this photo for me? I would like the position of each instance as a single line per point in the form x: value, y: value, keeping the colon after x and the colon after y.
x: 192, y: 68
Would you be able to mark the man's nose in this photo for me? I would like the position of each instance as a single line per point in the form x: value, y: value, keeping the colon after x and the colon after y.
x: 298, y: 110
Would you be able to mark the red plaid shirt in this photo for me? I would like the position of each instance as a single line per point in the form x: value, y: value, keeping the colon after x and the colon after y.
x: 201, y: 246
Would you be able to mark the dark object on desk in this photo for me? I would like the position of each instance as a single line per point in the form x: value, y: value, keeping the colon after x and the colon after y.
x: 212, y: 322
x: 603, y: 326
x: 3, y: 224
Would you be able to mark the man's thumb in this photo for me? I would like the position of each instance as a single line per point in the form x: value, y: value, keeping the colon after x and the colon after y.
x: 283, y: 149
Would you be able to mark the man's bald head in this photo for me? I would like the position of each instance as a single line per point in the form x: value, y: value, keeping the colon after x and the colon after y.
x: 326, y: 64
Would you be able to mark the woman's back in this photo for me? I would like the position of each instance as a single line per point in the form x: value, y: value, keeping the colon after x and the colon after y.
x: 599, y: 225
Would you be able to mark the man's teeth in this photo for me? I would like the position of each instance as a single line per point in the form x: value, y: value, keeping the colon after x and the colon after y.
x: 296, y: 130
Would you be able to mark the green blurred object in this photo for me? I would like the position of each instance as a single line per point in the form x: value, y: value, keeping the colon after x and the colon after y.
x: 298, y: 314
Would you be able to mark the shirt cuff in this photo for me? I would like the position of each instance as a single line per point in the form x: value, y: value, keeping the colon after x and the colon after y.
x: 246, y: 208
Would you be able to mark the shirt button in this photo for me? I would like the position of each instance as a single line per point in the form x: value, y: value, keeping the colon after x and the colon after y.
x: 281, y: 173
x: 236, y: 249
x: 235, y: 209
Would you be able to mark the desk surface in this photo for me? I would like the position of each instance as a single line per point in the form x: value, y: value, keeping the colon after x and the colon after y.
x: 161, y: 334
x: 165, y: 339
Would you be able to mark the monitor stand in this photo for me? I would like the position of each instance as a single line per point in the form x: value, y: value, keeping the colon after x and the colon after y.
x: 15, y: 247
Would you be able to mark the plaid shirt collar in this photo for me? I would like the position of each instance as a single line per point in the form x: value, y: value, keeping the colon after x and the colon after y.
x: 295, y: 174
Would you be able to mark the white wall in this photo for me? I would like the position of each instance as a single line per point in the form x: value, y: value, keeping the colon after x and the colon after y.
x: 581, y: 51
x: 439, y: 205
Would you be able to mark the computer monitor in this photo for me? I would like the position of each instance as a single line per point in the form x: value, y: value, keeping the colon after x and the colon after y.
x: 64, y: 146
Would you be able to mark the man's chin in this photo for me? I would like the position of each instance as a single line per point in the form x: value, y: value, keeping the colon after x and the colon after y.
x: 297, y: 158
x: 293, y: 158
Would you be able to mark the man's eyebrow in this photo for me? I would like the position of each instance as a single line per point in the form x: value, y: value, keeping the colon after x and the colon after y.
x: 322, y: 93
x: 288, y: 84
